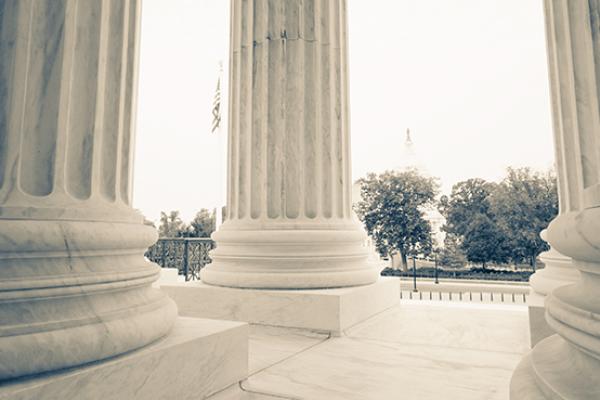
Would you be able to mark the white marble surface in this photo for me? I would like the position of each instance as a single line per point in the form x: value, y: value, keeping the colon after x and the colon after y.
x: 567, y: 366
x: 328, y: 310
x: 553, y: 370
x: 74, y: 285
x: 454, y: 325
x: 167, y: 276
x: 198, y: 358
x: 269, y: 345
x: 558, y: 271
x: 290, y: 222
x: 351, y: 368
x: 538, y: 326
x: 235, y: 392
x: 417, y: 351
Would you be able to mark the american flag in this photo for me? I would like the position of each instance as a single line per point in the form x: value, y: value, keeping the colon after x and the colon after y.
x: 216, y: 110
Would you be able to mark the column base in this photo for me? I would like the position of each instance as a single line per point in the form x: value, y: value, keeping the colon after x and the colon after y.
x: 523, y: 385
x: 538, y: 327
x: 75, y: 292
x: 167, y: 276
x: 290, y: 280
x: 198, y: 358
x: 290, y: 258
x: 326, y: 310
x: 555, y: 369
x: 559, y: 271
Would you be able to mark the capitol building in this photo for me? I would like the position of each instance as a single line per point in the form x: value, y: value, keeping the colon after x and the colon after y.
x: 409, y: 159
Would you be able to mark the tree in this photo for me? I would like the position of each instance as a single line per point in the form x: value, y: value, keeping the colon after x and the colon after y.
x: 391, y: 210
x: 525, y: 203
x: 451, y: 253
x: 171, y: 225
x: 468, y: 199
x: 203, y: 224
x: 471, y: 222
x: 484, y: 241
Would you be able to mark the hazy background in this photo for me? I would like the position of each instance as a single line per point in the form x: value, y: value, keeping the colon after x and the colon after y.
x: 467, y: 76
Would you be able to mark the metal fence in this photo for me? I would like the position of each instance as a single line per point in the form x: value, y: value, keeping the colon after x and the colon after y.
x: 477, y: 296
x: 188, y: 255
x: 465, y: 291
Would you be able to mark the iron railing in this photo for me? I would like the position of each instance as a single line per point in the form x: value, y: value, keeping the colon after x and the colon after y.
x: 188, y: 255
x: 465, y: 291
x: 476, y: 296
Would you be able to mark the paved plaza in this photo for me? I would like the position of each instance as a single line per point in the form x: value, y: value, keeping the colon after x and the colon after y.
x: 415, y: 350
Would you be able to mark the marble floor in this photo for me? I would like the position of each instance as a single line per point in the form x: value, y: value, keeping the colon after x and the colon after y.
x: 417, y: 350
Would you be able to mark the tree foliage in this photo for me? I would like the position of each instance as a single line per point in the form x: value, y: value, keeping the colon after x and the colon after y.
x: 392, y: 211
x: 525, y: 203
x: 171, y: 225
x: 451, y: 255
x: 483, y: 240
x: 501, y: 222
x: 468, y: 199
x: 470, y: 220
x: 203, y: 224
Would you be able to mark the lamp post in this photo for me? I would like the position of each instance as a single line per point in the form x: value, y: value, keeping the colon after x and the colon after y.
x: 414, y: 274
x: 435, y: 266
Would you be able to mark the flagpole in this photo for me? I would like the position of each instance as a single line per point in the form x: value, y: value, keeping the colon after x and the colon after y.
x: 220, y: 175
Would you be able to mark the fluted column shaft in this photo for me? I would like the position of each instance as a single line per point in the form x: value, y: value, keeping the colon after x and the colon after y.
x: 558, y: 269
x: 74, y: 285
x: 567, y: 365
x: 289, y: 180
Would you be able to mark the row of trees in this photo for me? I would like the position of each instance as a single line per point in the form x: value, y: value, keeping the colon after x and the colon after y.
x: 486, y: 222
x: 172, y: 226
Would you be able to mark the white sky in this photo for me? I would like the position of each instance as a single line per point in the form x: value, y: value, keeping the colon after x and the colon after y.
x: 467, y: 76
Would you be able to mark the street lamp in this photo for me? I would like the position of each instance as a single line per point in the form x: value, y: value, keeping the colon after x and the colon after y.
x: 414, y: 274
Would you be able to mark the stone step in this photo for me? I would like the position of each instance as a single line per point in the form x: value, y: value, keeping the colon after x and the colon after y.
x: 322, y: 310
x: 198, y: 358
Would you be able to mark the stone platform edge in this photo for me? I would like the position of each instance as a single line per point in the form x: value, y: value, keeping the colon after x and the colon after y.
x: 198, y: 358
x: 538, y: 327
x: 325, y: 310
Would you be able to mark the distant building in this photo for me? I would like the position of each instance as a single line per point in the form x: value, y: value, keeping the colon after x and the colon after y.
x: 409, y: 159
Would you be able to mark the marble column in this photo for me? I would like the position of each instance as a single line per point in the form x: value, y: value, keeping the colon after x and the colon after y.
x: 290, y: 222
x: 558, y: 269
x: 74, y: 285
x: 567, y: 365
